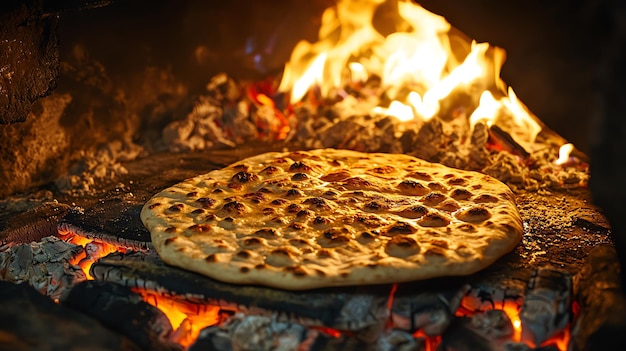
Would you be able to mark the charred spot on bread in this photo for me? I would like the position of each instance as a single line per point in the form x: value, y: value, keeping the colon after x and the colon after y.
x: 317, y: 203
x: 460, y: 194
x: 412, y: 187
x: 270, y: 170
x: 244, y: 177
x: 413, y: 212
x: 200, y: 228
x: 206, y: 202
x: 485, y: 198
x: 176, y: 208
x: 433, y: 199
x: 235, y: 208
x: 400, y: 228
x: 433, y: 220
x: 267, y: 233
x: 300, y: 167
x: 278, y: 202
x: 293, y: 193
x: 299, y: 177
x: 383, y: 170
x: 253, y: 242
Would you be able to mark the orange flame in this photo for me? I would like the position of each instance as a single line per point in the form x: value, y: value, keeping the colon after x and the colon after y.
x: 420, y: 64
x: 564, y: 154
x: 187, y: 318
x: 512, y: 311
x: 430, y: 342
x: 94, y: 249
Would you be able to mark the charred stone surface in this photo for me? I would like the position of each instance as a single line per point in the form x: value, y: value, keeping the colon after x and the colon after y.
x: 344, y: 308
x: 123, y: 311
x: 31, y: 321
x: 113, y: 221
x: 32, y: 225
x: 29, y: 56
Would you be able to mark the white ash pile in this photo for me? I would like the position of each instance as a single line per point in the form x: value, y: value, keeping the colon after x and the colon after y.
x: 97, y: 166
x: 44, y: 265
x: 233, y: 113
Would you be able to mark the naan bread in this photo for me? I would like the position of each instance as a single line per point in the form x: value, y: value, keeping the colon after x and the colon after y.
x: 301, y: 220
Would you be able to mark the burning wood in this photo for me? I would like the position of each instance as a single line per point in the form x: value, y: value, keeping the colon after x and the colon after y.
x: 113, y: 221
x: 121, y: 310
x: 411, y: 317
x: 246, y: 332
x: 429, y: 312
x: 547, y: 305
x: 45, y: 265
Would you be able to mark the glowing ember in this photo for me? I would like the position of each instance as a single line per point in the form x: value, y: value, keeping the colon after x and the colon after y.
x: 329, y: 331
x: 187, y: 318
x: 430, y: 342
x: 420, y: 65
x: 512, y: 311
x: 94, y: 249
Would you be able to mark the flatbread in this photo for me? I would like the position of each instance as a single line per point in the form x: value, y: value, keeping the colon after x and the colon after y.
x: 311, y: 219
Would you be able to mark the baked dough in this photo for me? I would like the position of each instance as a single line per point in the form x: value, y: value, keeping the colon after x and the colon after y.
x: 311, y: 219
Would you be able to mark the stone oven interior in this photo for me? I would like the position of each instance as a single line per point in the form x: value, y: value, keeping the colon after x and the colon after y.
x: 89, y: 86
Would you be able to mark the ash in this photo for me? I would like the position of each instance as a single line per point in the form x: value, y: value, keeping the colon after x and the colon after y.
x: 233, y: 113
x: 44, y: 265
x: 95, y: 167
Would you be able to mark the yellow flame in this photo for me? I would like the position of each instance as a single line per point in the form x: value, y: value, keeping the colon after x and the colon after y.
x: 523, y: 117
x: 358, y: 73
x: 512, y: 311
x: 421, y: 62
x: 564, y: 153
x: 396, y: 109
x: 424, y: 109
x: 487, y: 110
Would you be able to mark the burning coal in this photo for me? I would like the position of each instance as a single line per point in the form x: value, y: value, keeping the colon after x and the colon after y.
x: 192, y: 311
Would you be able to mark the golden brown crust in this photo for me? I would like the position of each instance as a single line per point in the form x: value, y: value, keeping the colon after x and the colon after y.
x: 310, y: 219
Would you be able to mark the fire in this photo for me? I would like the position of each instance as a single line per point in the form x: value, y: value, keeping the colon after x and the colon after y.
x: 94, y: 249
x: 512, y: 311
x: 564, y: 154
x: 430, y: 342
x: 422, y: 65
x: 187, y: 318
